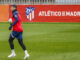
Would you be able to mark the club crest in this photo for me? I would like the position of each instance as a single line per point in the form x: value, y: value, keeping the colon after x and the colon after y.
x: 30, y: 13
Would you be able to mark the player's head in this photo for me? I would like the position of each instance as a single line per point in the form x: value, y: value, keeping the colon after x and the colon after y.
x: 13, y: 7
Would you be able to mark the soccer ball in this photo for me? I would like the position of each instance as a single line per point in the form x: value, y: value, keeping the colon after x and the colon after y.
x: 10, y: 20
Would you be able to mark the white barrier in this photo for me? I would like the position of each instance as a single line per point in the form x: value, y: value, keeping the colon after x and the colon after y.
x: 34, y: 2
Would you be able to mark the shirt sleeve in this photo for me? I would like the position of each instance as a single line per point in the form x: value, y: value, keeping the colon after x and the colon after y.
x: 16, y: 18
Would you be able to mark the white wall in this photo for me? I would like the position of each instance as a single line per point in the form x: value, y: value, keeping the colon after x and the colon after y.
x: 68, y: 1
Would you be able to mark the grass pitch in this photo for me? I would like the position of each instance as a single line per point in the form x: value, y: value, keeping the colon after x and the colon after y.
x: 44, y: 41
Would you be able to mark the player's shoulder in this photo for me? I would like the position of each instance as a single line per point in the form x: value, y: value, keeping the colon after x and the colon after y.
x: 15, y: 13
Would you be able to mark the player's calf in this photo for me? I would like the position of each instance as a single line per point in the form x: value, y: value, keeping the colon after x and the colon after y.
x: 24, y: 48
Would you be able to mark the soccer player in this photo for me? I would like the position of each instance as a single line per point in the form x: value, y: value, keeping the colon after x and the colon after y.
x: 17, y: 32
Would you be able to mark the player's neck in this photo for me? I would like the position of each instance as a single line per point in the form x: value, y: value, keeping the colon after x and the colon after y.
x: 14, y: 11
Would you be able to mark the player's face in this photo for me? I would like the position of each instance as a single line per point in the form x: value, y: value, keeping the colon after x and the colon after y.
x: 12, y: 8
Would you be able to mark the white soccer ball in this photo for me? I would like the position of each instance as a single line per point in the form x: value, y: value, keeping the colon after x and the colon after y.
x: 10, y: 20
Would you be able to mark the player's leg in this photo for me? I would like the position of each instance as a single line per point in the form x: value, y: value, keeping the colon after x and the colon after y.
x: 24, y: 48
x: 11, y: 38
x: 21, y: 44
x: 20, y: 40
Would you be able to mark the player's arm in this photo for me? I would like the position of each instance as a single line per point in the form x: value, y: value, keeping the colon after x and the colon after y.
x: 16, y: 20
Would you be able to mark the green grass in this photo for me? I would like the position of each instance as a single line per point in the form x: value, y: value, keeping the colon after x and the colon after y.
x: 44, y: 41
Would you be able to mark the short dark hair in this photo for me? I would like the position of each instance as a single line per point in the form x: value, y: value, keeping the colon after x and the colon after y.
x: 14, y: 6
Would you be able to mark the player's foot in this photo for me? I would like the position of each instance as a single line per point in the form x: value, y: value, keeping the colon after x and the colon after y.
x: 26, y: 56
x: 12, y: 55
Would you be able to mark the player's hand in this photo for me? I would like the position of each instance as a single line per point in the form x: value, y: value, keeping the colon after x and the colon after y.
x: 10, y: 24
x: 10, y: 28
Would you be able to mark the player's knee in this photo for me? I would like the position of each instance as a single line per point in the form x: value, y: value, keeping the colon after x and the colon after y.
x: 20, y: 41
x: 9, y: 40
